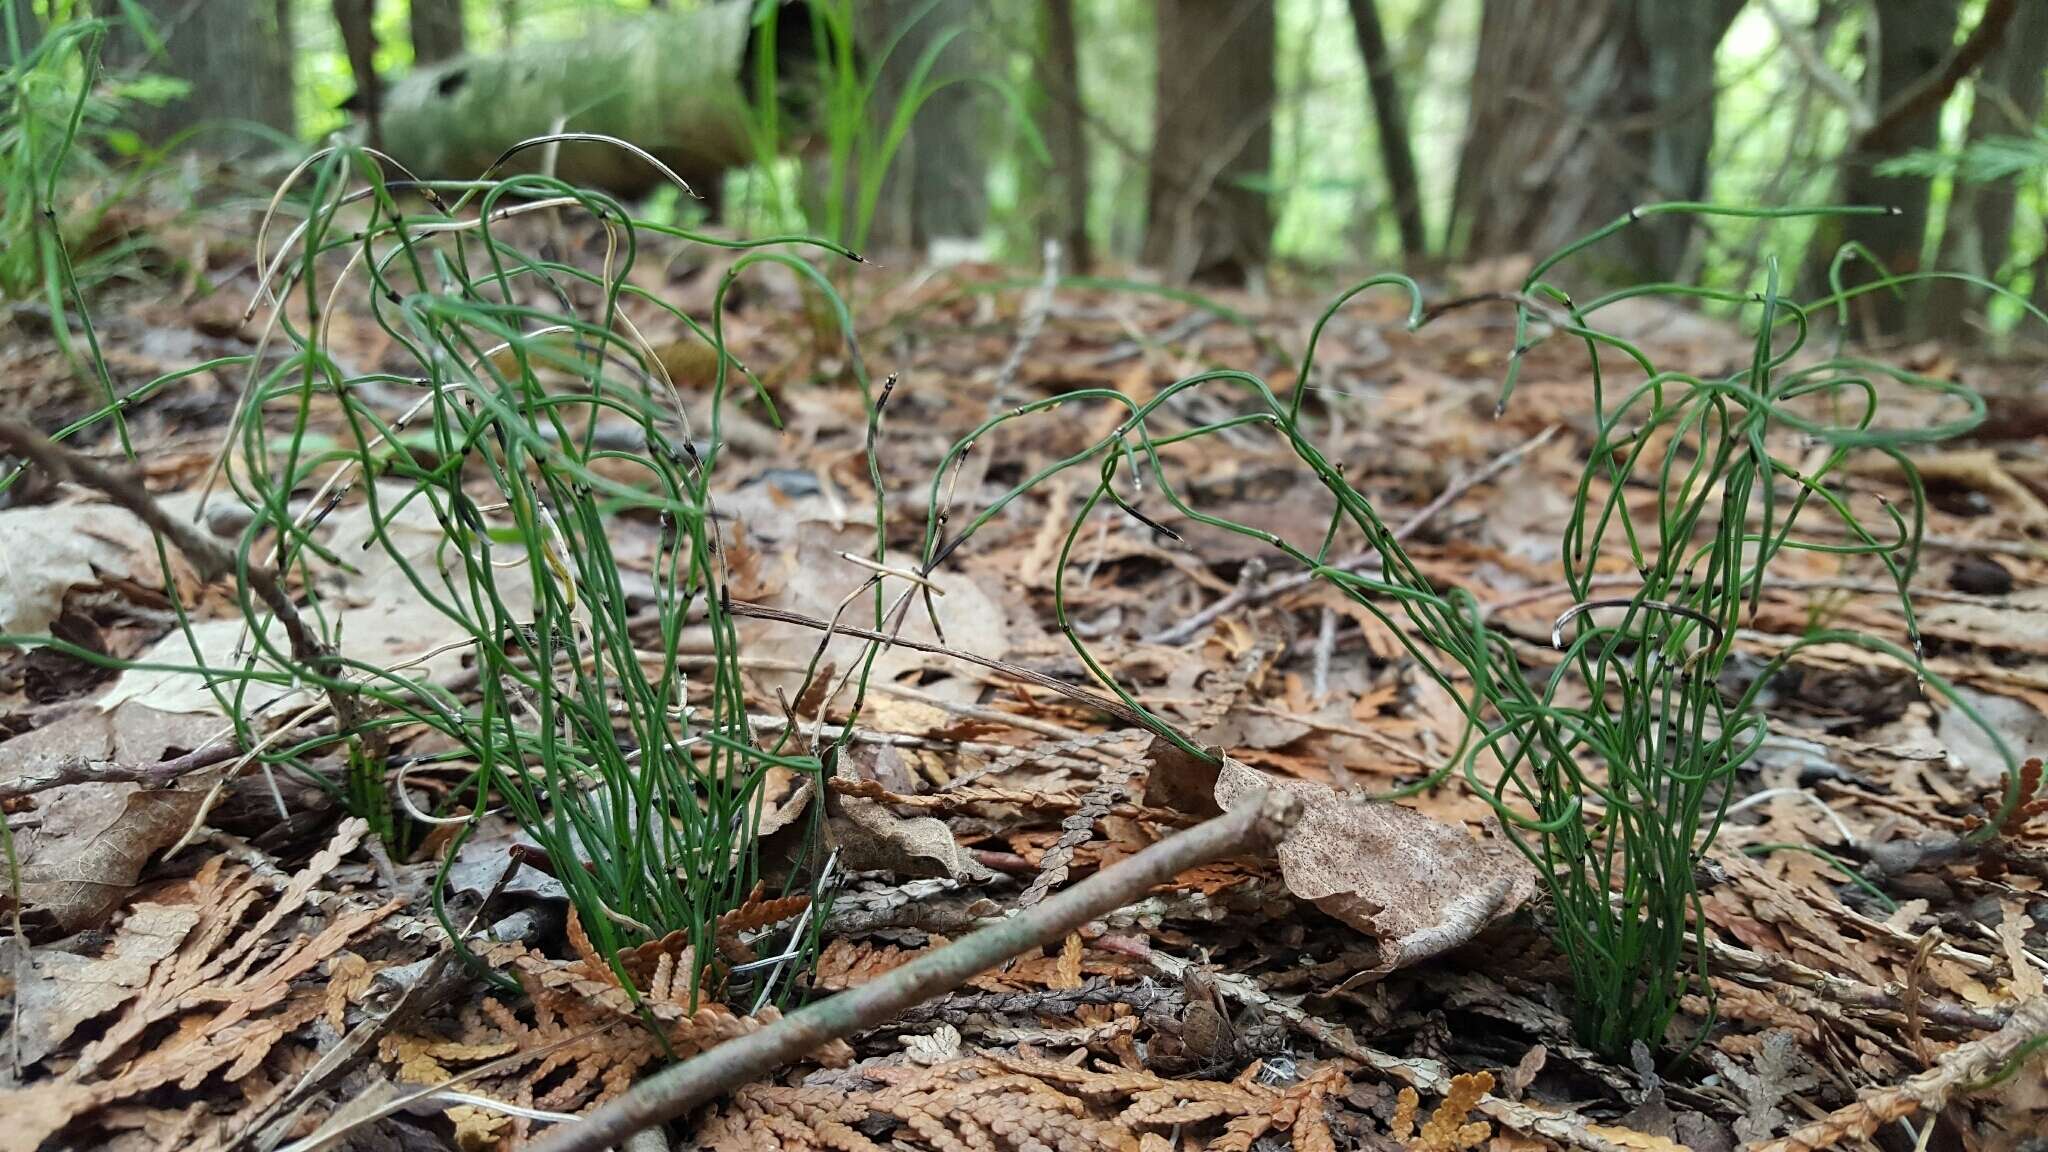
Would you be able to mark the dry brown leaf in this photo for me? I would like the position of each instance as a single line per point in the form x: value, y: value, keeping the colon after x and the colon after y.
x: 2026, y: 979
x: 1067, y: 972
x: 847, y: 964
x: 818, y: 580
x: 1446, y: 1129
x: 870, y: 838
x: 47, y: 550
x: 1417, y: 886
x: 1630, y: 1138
x: 94, y: 839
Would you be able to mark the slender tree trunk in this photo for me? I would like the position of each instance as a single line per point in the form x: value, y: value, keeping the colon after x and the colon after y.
x: 1582, y: 109
x: 357, y: 21
x: 436, y: 29
x: 949, y: 139
x: 236, y: 56
x: 1978, y: 235
x: 1207, y: 214
x: 1390, y: 114
x: 1064, y: 128
x: 936, y: 185
x: 1914, y: 37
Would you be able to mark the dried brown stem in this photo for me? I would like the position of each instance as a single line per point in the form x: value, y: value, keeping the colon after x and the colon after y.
x: 210, y: 558
x: 1252, y: 826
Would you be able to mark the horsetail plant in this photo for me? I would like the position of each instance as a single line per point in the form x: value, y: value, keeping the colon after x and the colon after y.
x: 1612, y: 772
x: 538, y: 413
x: 534, y: 413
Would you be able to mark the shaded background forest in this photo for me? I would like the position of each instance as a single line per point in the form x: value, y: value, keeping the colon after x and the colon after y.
x: 1242, y: 140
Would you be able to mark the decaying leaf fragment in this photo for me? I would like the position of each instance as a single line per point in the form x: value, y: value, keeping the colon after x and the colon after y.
x: 869, y: 837
x: 1417, y: 886
x: 1446, y: 1130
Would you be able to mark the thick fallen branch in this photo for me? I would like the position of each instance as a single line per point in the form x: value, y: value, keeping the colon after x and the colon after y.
x: 1253, y: 826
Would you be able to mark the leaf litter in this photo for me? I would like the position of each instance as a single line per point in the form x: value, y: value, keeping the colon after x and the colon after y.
x: 1379, y: 984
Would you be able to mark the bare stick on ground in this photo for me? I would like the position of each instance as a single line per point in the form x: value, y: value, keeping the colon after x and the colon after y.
x: 209, y: 558
x: 1252, y: 826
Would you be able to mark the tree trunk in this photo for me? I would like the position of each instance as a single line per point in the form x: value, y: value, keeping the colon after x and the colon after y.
x: 937, y: 181
x: 1978, y: 236
x: 236, y: 55
x: 687, y: 108
x: 1914, y: 37
x: 436, y: 30
x: 1390, y: 114
x: 1207, y: 213
x: 949, y: 139
x: 357, y: 21
x: 1582, y: 109
x: 1064, y: 128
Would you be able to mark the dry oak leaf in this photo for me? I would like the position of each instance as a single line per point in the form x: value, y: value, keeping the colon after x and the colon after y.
x: 92, y: 845
x: 1417, y: 886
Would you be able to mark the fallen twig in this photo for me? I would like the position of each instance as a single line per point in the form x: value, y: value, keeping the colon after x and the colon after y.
x: 1252, y: 826
x: 209, y: 557
x: 1964, y: 1068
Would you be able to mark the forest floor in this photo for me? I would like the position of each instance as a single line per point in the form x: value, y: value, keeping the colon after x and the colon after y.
x: 210, y: 960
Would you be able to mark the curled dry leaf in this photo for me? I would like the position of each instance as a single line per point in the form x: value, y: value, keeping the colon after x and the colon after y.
x: 91, y: 845
x: 1417, y: 886
x: 870, y: 838
x: 47, y: 550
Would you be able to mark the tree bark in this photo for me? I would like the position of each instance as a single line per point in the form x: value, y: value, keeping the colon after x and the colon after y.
x: 1582, y: 109
x: 1390, y: 115
x: 1914, y: 38
x: 1978, y: 235
x: 949, y: 139
x: 937, y: 182
x: 436, y: 29
x: 686, y: 107
x: 236, y: 55
x: 357, y: 21
x: 1207, y: 212
x: 1064, y: 125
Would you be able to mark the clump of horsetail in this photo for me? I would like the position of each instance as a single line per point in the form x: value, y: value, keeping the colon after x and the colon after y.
x: 1610, y: 773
